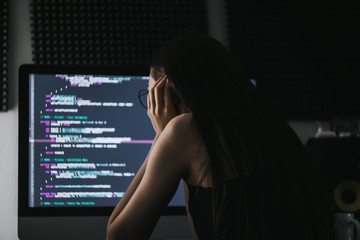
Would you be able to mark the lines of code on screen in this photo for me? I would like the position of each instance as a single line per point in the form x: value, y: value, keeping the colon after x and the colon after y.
x: 88, y: 136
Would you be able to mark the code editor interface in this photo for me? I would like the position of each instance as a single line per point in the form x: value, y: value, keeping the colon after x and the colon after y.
x: 88, y: 136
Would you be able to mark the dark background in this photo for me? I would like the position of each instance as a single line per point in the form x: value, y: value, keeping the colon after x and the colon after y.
x: 304, y: 56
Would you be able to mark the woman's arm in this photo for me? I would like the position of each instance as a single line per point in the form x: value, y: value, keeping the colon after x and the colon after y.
x: 158, y: 124
x: 131, y: 189
x: 168, y: 162
x: 156, y: 182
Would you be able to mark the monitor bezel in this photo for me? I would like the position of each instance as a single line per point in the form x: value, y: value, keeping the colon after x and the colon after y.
x: 23, y: 136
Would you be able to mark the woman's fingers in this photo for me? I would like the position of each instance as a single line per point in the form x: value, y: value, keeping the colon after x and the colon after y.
x: 154, y: 97
x: 151, y: 100
x: 160, y: 104
x: 149, y: 104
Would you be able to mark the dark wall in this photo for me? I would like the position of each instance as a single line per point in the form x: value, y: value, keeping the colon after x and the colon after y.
x: 304, y: 56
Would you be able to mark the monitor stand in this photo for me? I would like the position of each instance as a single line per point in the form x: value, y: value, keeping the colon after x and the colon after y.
x: 93, y: 228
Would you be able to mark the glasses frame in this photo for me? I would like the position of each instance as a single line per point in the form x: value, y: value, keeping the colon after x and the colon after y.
x: 141, y: 93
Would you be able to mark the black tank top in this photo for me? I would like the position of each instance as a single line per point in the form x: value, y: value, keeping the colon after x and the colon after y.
x: 251, y: 211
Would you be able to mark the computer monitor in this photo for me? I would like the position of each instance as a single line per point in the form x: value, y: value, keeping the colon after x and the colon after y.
x: 83, y: 134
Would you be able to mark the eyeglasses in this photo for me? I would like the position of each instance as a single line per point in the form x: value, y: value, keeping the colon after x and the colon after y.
x: 142, y: 95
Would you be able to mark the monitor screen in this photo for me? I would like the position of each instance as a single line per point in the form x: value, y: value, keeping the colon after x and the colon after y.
x: 83, y: 135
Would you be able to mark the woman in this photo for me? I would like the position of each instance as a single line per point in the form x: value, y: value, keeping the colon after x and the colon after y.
x: 246, y: 175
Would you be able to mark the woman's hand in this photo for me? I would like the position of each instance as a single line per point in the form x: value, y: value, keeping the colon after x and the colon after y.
x: 161, y: 108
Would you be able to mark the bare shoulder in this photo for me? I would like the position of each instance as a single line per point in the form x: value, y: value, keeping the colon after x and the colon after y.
x: 181, y: 123
x: 180, y: 132
x: 181, y: 137
x: 185, y: 141
x: 182, y: 118
x: 174, y: 143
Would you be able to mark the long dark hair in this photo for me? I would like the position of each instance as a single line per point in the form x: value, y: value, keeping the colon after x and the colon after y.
x: 237, y: 126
